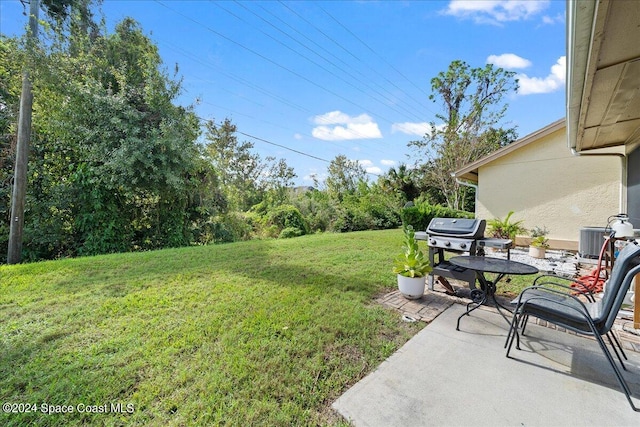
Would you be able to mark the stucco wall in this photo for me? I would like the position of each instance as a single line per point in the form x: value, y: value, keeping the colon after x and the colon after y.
x: 545, y: 185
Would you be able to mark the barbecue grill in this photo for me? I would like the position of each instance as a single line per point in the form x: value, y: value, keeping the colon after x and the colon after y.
x: 460, y: 236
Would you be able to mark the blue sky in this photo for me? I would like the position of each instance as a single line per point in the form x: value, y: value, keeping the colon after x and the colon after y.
x: 324, y: 78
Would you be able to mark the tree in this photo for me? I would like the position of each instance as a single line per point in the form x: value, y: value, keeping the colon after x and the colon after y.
x: 130, y: 150
x: 58, y: 11
x: 244, y: 175
x: 343, y: 178
x: 472, y: 101
x: 278, y: 180
x: 402, y: 181
x: 238, y: 167
x: 114, y: 164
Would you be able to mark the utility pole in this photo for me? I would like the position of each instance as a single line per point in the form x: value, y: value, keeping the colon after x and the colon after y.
x: 14, y: 252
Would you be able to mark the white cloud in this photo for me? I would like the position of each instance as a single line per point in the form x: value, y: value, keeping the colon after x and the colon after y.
x: 338, y: 126
x: 388, y: 162
x: 374, y: 170
x: 368, y: 166
x: 409, y: 128
x: 495, y: 11
x: 508, y: 61
x: 553, y: 82
x: 550, y: 20
x: 418, y: 129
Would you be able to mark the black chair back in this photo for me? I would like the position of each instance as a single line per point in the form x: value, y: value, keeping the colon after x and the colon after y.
x: 593, y: 318
x: 625, y: 268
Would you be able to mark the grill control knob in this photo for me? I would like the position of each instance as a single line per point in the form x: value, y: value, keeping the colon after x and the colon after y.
x: 447, y: 243
x: 463, y: 245
x: 432, y: 241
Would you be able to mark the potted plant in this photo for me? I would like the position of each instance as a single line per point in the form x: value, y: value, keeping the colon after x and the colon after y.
x: 504, y: 228
x: 411, y: 266
x: 539, y: 242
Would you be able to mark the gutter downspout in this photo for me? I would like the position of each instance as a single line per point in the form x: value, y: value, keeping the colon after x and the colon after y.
x: 468, y: 184
x: 622, y: 207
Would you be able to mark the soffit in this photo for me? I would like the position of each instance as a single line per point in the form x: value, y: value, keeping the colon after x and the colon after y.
x: 609, y: 113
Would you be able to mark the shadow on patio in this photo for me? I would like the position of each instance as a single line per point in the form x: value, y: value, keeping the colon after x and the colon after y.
x: 448, y: 377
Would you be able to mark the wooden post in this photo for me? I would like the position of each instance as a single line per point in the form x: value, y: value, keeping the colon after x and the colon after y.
x: 14, y: 251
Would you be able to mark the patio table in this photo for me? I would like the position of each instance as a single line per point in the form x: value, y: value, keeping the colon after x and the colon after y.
x: 483, y: 265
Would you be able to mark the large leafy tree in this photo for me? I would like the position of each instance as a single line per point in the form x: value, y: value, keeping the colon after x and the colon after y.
x: 131, y: 150
x: 472, y: 102
x: 114, y: 163
x: 246, y: 178
x: 343, y: 177
x: 58, y: 11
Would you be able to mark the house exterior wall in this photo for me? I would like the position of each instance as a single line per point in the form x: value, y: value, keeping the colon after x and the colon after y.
x: 545, y: 185
x: 633, y: 187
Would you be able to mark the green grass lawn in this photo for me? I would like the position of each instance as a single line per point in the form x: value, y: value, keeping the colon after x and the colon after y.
x: 252, y: 333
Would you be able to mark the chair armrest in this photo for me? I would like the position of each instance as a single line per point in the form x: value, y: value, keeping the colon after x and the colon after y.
x: 555, y: 309
x: 581, y: 291
x: 538, y: 294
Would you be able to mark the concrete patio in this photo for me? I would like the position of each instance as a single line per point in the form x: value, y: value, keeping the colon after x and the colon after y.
x: 444, y: 377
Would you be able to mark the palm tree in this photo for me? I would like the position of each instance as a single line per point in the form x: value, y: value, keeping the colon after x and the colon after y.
x: 401, y: 181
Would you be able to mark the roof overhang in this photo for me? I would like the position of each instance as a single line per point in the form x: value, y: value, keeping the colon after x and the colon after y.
x: 603, y: 74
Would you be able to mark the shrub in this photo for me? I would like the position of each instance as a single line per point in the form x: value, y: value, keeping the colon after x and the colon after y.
x: 286, y: 216
x: 231, y: 228
x: 372, y: 210
x: 290, y: 232
x: 316, y: 208
x: 420, y: 215
x: 504, y: 228
x: 351, y: 218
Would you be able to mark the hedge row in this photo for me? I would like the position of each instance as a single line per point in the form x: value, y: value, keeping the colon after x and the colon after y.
x: 420, y: 215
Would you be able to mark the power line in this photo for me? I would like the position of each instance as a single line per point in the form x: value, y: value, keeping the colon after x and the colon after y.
x: 288, y: 148
x: 260, y: 55
x: 247, y: 83
x: 295, y: 151
x: 422, y: 105
x: 256, y: 87
x: 238, y: 79
x: 284, y: 147
x: 379, y: 56
x: 389, y: 102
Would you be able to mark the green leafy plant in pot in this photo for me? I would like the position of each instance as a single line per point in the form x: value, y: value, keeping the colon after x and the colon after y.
x: 504, y: 228
x: 411, y: 266
x: 539, y: 242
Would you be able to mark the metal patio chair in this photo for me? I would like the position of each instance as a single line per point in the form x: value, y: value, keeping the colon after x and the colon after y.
x: 569, y: 285
x: 569, y: 311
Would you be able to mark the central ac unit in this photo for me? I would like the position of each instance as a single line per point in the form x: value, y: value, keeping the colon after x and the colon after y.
x: 591, y: 241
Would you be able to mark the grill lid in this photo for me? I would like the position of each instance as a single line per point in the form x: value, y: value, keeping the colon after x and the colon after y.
x: 458, y: 227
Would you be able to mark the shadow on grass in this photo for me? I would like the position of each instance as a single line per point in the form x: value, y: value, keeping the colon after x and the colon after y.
x: 121, y: 311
